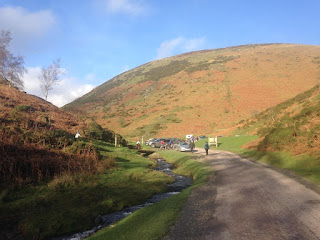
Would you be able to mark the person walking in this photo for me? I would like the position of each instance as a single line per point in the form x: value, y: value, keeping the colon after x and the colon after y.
x: 192, y: 145
x: 206, y: 147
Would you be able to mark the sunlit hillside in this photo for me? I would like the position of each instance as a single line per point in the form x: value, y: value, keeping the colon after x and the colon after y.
x: 292, y: 126
x: 37, y: 140
x: 204, y: 92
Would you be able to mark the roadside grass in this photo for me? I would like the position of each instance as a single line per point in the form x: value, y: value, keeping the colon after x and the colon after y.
x: 232, y: 143
x: 71, y: 203
x: 302, y: 165
x: 154, y: 221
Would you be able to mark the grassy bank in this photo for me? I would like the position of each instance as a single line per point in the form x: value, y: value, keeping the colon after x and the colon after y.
x: 302, y: 165
x: 154, y: 221
x: 232, y: 144
x: 72, y: 202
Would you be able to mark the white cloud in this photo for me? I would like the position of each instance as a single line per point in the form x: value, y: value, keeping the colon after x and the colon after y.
x: 24, y: 25
x: 131, y: 7
x: 67, y: 90
x: 31, y: 81
x: 167, y: 47
x: 179, y: 45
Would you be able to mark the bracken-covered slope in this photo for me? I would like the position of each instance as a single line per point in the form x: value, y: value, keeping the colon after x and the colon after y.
x: 30, y: 149
x: 37, y: 141
x: 34, y: 112
x: 292, y: 126
x: 203, y: 92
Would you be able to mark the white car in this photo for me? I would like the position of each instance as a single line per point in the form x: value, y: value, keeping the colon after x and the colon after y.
x: 183, y: 147
x: 147, y: 142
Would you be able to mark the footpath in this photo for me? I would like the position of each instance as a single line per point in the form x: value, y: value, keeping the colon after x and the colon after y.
x: 246, y: 200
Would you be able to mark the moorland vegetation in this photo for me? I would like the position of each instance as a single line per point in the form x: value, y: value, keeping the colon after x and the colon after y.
x: 52, y: 184
x: 203, y: 92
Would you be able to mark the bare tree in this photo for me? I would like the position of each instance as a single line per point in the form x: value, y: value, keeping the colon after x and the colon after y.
x: 11, y: 67
x: 50, y: 77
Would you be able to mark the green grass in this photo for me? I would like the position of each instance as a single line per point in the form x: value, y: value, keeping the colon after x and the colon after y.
x: 232, y: 144
x: 71, y: 203
x: 302, y: 165
x: 154, y: 221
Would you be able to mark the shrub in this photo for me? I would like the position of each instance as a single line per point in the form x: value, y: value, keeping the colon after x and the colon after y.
x: 24, y: 108
x: 24, y: 164
x: 279, y: 138
x: 95, y: 131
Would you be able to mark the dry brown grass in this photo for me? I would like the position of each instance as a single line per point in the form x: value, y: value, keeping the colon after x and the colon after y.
x: 30, y: 151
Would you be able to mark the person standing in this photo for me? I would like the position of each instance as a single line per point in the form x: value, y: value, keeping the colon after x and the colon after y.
x: 206, y: 147
x: 77, y: 136
x: 163, y: 145
x: 138, y: 146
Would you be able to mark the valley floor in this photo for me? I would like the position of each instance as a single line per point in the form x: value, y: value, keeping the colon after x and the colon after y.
x: 247, y: 200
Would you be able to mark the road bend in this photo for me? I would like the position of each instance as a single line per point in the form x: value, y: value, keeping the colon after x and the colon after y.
x: 247, y: 200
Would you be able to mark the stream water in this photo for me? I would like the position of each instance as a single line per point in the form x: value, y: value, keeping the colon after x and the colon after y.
x: 180, y: 183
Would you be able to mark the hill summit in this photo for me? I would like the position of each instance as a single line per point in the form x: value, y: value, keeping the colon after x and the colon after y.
x: 203, y: 92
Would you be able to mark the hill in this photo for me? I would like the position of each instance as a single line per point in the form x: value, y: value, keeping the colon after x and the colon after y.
x: 35, y: 111
x: 292, y: 126
x: 203, y: 92
x: 37, y: 140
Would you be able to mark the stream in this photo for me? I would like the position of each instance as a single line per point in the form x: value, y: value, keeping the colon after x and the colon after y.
x: 180, y: 183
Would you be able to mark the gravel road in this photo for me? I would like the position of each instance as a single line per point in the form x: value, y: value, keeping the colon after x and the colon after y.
x: 246, y: 200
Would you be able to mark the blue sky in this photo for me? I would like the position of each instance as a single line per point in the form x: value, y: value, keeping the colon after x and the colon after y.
x: 99, y: 39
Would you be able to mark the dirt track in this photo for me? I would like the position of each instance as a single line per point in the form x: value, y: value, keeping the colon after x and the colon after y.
x: 246, y: 200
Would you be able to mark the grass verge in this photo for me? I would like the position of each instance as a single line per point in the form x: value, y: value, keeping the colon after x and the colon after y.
x: 302, y: 165
x: 71, y: 203
x: 232, y: 144
x: 154, y: 221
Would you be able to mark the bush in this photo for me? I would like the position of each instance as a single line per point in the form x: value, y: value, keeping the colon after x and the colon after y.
x: 278, y: 139
x: 95, y: 131
x: 29, y: 164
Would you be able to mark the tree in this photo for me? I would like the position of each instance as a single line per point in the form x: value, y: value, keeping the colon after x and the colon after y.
x: 50, y: 77
x: 11, y: 67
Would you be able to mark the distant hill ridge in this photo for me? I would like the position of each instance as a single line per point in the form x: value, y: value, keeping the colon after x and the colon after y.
x: 203, y: 92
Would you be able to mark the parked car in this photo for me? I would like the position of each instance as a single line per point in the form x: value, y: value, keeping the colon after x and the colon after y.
x: 183, y: 147
x: 156, y: 143
x: 148, y: 141
x: 175, y: 140
x: 153, y: 142
x: 201, y: 137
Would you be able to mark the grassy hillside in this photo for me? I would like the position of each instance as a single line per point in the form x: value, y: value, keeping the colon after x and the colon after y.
x: 201, y: 92
x: 292, y: 126
x: 37, y: 140
x: 43, y: 170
